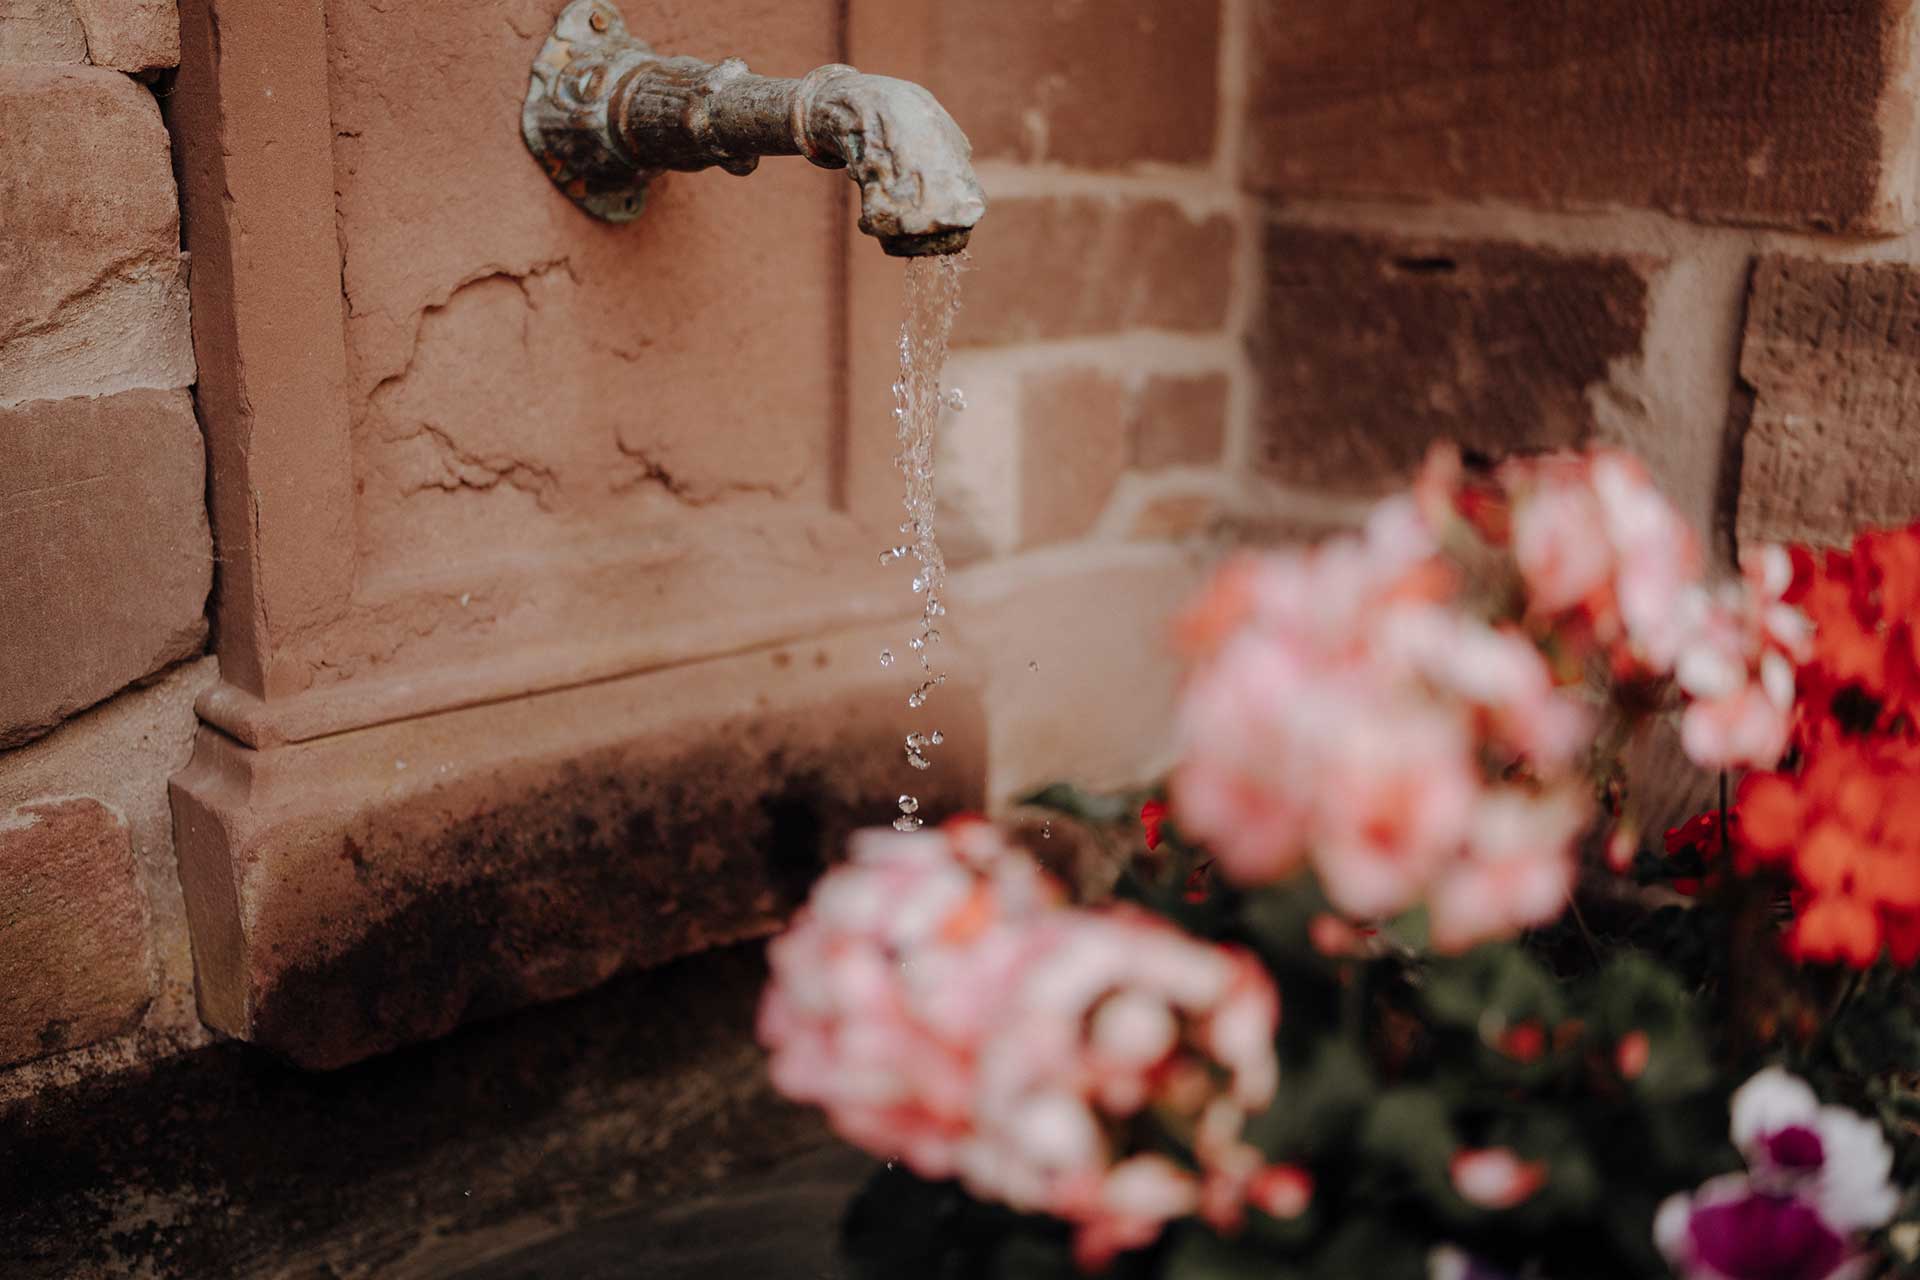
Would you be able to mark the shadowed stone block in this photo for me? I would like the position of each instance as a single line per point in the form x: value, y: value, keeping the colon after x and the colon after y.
x: 73, y: 929
x: 1372, y: 347
x: 375, y: 888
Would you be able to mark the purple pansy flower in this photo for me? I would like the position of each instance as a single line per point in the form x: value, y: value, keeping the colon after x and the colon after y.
x: 1816, y: 1177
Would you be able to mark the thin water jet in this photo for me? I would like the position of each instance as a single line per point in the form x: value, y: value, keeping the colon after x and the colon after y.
x: 933, y: 302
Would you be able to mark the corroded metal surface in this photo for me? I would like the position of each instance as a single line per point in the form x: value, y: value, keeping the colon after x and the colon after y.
x: 605, y: 115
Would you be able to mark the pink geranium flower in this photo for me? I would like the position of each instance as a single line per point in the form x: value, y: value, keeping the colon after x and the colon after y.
x: 945, y: 1008
x: 1355, y: 717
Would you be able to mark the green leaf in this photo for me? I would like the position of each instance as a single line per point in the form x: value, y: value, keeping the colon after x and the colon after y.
x: 1198, y: 1254
x: 1497, y: 984
x: 1635, y: 994
x: 1088, y: 806
x: 1319, y: 1107
x: 1374, y: 1248
x: 1410, y: 1130
x: 1027, y: 1256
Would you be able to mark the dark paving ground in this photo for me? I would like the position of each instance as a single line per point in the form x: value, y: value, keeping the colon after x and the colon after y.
x: 780, y: 1225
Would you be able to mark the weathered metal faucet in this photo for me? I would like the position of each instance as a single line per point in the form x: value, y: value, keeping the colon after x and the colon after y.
x: 605, y: 115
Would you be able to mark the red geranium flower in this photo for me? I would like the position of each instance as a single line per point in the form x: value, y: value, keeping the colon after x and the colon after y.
x: 1152, y: 814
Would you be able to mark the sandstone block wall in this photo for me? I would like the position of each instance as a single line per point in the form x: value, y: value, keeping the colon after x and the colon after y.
x: 547, y: 636
x: 1312, y: 239
x: 1686, y: 227
x: 106, y: 561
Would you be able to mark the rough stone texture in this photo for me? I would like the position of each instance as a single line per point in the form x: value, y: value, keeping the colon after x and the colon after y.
x: 226, y: 1163
x: 1696, y: 106
x: 1079, y: 681
x: 93, y: 294
x: 1071, y: 267
x: 1832, y: 353
x: 131, y: 35
x: 1074, y: 428
x: 121, y: 754
x: 468, y: 442
x: 108, y: 558
x: 73, y: 929
x: 1371, y: 347
x: 1180, y: 420
x: 1099, y: 84
x: 520, y: 374
x: 377, y: 888
x: 41, y: 31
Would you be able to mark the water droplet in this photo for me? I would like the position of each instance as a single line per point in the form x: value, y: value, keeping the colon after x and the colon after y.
x: 1046, y: 831
x: 917, y: 644
x: 916, y: 699
x: 1033, y: 666
x: 957, y: 400
x: 920, y: 762
x: 886, y: 657
x: 937, y: 738
x: 919, y: 585
x: 904, y: 823
x: 909, y: 805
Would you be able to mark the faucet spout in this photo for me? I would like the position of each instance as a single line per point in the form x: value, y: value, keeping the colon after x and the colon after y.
x: 605, y: 115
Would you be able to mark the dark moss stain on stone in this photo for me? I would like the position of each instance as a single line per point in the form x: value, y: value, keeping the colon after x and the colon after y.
x: 615, y: 861
x: 230, y: 1163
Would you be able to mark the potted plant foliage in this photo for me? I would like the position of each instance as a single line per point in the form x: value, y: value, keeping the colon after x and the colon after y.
x: 1392, y: 984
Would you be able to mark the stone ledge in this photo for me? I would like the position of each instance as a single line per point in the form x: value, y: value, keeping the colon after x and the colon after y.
x: 369, y: 890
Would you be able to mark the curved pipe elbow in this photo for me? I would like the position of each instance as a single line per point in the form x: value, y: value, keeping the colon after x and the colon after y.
x: 605, y: 115
x: 913, y: 164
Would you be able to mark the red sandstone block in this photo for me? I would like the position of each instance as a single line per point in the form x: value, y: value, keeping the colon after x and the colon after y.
x: 1092, y: 85
x: 131, y: 35
x: 1832, y: 353
x: 1372, y: 347
x: 41, y: 31
x: 1074, y: 429
x: 93, y: 295
x: 1065, y: 268
x: 1784, y: 114
x: 1180, y: 420
x: 108, y: 559
x: 73, y: 929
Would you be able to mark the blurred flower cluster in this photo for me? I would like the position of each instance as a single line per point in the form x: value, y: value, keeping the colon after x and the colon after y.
x: 1407, y: 709
x: 1514, y: 1035
x: 1816, y: 1178
x: 947, y: 1010
x: 1841, y: 818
